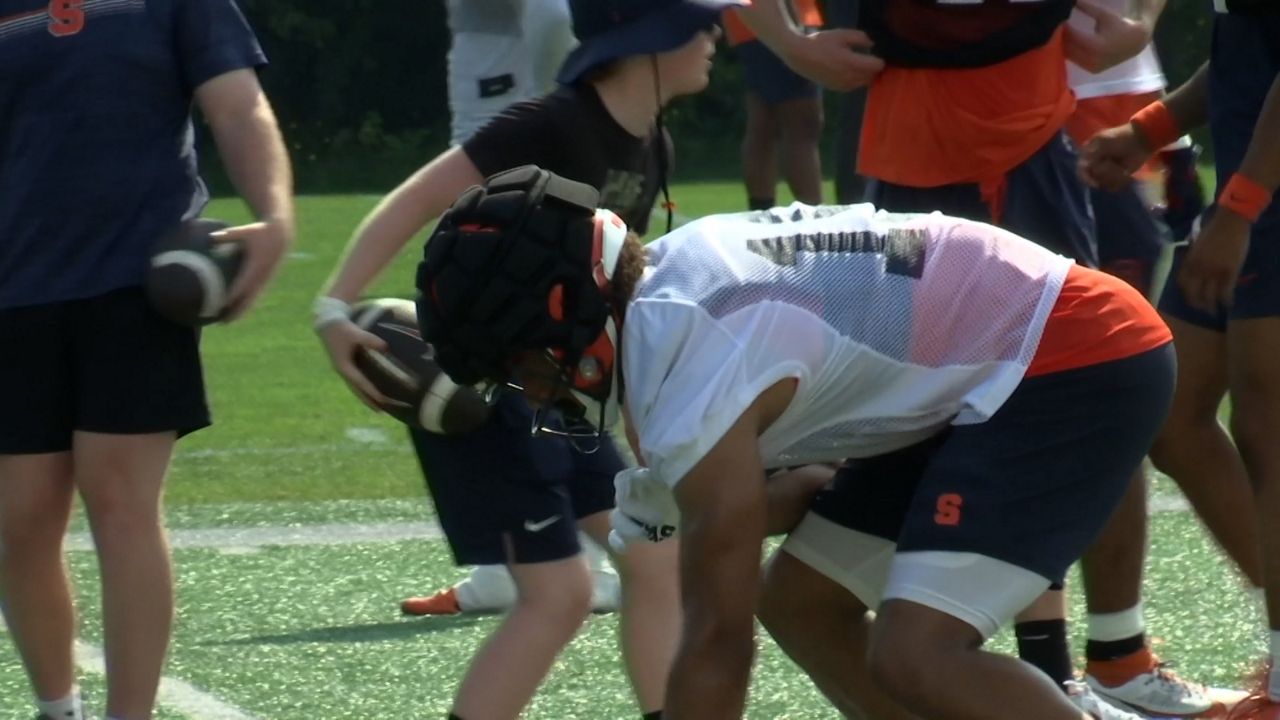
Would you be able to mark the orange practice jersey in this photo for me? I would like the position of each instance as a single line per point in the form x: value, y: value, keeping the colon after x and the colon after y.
x: 927, y: 127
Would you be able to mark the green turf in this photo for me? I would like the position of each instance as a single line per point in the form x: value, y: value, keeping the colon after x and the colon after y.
x: 309, y: 633
x: 313, y: 632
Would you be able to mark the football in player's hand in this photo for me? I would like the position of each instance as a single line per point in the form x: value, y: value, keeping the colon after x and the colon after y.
x: 420, y: 394
x: 190, y: 276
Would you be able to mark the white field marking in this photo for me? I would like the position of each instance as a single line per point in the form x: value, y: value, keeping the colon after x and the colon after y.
x: 1176, y: 502
x: 364, y: 446
x: 243, y: 540
x: 367, y: 435
x: 301, y: 255
x: 249, y: 539
x: 182, y: 696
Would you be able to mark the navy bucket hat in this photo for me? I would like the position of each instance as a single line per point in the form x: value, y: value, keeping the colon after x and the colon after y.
x: 611, y: 29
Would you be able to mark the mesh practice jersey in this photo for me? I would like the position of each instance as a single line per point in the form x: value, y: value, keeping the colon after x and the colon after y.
x: 893, y: 325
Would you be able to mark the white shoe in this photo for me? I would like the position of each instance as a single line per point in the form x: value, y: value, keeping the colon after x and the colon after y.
x: 1083, y: 697
x: 1158, y: 692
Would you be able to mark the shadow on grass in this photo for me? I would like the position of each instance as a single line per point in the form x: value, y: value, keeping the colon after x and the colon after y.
x: 373, y: 632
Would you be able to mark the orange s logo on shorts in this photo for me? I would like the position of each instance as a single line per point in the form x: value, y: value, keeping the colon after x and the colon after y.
x: 948, y: 510
x: 66, y: 17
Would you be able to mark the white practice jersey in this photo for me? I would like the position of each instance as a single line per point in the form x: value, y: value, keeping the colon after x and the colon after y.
x: 893, y: 325
x: 502, y: 52
x: 1139, y: 74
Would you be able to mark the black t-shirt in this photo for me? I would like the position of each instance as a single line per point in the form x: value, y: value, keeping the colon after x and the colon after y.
x: 570, y: 133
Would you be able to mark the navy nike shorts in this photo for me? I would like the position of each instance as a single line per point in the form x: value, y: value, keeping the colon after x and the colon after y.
x: 503, y: 496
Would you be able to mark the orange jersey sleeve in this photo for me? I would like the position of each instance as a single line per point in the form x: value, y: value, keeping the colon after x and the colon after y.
x: 927, y: 127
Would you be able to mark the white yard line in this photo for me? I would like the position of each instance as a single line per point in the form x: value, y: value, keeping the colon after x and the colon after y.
x: 174, y: 693
x: 249, y: 539
x: 239, y: 540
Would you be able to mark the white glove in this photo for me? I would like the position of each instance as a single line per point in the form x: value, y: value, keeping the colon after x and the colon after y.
x: 646, y: 509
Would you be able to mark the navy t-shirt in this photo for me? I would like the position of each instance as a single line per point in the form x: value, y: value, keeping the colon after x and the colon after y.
x: 96, y: 151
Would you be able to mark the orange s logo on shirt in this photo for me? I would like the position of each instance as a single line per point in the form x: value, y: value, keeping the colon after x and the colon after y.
x: 66, y: 17
x: 948, y: 510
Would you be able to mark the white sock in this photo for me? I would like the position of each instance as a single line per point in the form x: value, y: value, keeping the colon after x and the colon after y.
x: 67, y: 708
x: 1108, y: 627
x: 489, y: 588
x: 1273, y: 681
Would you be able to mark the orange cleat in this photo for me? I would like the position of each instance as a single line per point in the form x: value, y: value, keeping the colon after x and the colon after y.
x: 444, y: 602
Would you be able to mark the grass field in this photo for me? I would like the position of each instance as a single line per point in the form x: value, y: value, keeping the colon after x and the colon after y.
x: 300, y: 521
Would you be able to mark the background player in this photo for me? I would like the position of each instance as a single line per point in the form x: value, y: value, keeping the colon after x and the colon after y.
x: 1224, y: 308
x: 784, y: 117
x: 97, y: 385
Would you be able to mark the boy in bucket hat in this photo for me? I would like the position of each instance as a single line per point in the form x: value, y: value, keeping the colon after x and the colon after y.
x: 495, y: 488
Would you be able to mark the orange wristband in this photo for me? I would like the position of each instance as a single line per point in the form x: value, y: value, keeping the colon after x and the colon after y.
x: 1245, y: 197
x: 1157, y: 125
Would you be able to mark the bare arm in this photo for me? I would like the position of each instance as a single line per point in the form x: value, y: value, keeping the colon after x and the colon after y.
x: 1109, y: 158
x: 1262, y: 161
x: 1114, y: 37
x: 833, y: 58
x: 402, y: 214
x: 1212, y: 267
x: 1190, y: 102
x: 723, y: 516
x: 249, y: 142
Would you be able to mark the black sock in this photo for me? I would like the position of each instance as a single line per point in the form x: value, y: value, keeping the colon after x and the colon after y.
x: 753, y: 204
x: 655, y: 715
x: 1043, y: 643
x: 1104, y: 650
x: 454, y: 717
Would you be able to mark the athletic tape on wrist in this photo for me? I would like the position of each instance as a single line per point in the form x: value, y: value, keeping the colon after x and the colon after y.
x: 327, y: 311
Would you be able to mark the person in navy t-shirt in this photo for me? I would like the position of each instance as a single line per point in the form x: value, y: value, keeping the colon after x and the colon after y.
x: 97, y: 161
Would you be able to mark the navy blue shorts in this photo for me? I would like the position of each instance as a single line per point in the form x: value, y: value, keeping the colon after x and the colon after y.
x: 1130, y: 238
x: 503, y: 496
x: 1244, y: 63
x: 1032, y: 486
x: 105, y: 364
x: 764, y: 73
x: 1044, y: 201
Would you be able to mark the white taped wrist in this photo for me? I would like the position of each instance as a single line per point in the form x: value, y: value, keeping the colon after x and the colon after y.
x: 327, y: 311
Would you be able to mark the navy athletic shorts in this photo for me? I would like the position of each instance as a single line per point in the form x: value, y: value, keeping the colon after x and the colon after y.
x: 765, y: 74
x: 1044, y: 201
x: 1031, y: 486
x: 106, y: 364
x: 1130, y: 238
x: 503, y: 496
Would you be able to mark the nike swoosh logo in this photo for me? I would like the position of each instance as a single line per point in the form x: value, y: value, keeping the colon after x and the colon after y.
x: 532, y: 526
